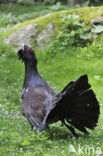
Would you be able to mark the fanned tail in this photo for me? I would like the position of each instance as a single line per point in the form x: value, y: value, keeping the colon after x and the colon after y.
x: 75, y: 106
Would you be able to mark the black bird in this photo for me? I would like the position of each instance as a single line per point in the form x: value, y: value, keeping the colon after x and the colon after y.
x: 76, y: 106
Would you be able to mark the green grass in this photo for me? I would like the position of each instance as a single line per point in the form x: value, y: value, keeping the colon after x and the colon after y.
x: 16, y: 137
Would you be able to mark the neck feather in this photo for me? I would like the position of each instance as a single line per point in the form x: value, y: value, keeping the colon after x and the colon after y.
x: 32, y: 78
x: 30, y: 73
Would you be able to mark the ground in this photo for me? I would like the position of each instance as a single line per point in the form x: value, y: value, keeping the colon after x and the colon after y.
x: 67, y: 64
x: 35, y: 27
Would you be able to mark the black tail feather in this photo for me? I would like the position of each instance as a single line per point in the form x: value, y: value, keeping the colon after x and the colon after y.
x: 78, y: 86
x: 71, y: 129
x: 79, y: 127
x: 76, y: 104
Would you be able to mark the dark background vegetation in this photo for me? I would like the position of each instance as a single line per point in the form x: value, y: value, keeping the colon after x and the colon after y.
x: 68, y: 2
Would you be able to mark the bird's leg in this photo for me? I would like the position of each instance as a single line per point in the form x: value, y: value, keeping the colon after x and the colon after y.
x: 47, y: 127
x: 33, y: 125
x: 82, y: 129
x: 71, y: 129
x: 30, y: 124
x: 62, y: 122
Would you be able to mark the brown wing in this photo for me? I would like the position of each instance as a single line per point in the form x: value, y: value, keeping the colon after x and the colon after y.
x: 34, y: 104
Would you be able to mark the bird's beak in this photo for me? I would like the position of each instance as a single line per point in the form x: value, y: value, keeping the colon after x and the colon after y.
x: 22, y: 46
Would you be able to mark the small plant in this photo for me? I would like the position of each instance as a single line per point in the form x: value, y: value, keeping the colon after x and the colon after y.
x: 73, y: 32
x: 58, y: 6
x: 3, y: 47
x: 95, y: 49
x: 97, y: 29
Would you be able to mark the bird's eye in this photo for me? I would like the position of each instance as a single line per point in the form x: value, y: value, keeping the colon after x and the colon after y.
x: 28, y: 50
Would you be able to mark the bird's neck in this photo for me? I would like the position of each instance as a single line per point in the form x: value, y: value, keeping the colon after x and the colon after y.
x: 31, y: 73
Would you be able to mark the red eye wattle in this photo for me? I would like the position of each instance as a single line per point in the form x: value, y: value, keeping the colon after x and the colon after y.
x: 29, y: 51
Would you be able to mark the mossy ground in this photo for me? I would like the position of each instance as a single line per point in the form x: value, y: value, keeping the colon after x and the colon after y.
x: 86, y: 15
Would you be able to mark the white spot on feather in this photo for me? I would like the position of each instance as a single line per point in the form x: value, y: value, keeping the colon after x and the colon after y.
x: 26, y: 90
x: 88, y: 105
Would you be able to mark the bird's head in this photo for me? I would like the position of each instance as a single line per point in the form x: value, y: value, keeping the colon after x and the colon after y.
x: 27, y: 54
